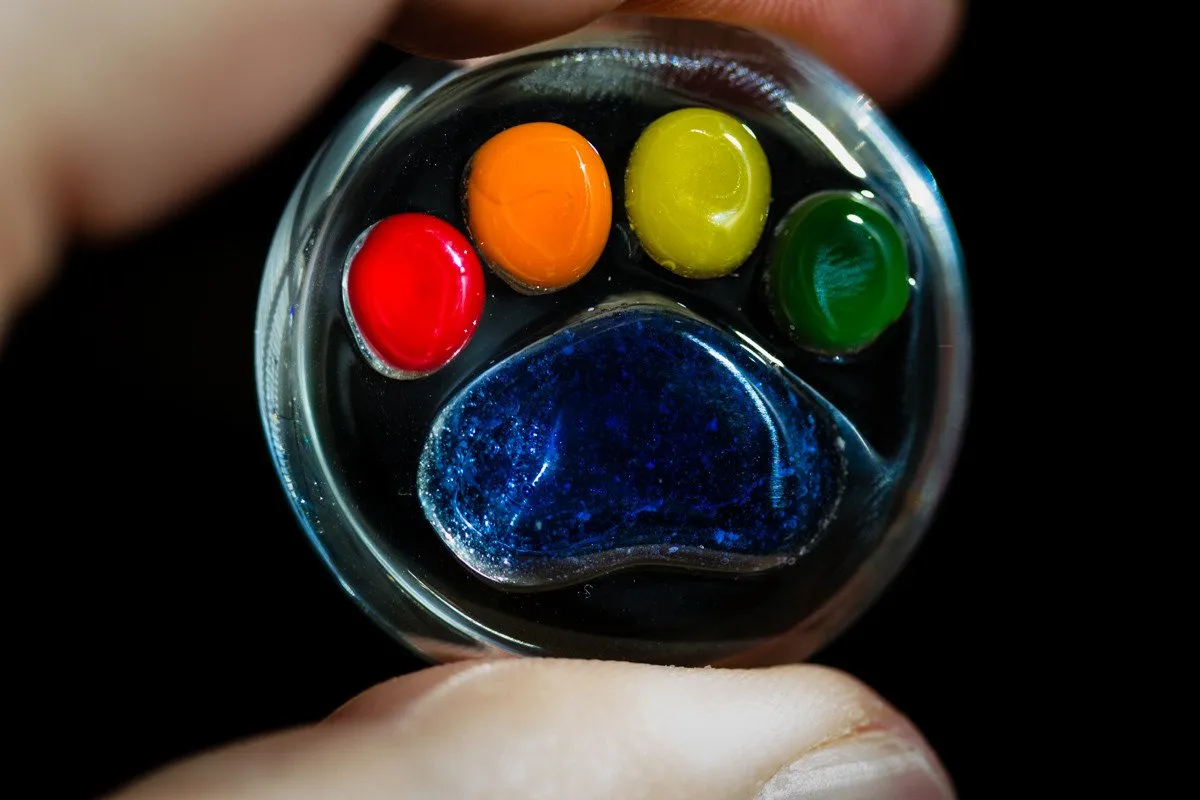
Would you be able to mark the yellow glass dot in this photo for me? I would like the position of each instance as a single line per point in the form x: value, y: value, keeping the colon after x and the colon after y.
x: 697, y: 190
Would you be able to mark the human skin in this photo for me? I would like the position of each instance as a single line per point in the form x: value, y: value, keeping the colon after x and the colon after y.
x: 116, y: 112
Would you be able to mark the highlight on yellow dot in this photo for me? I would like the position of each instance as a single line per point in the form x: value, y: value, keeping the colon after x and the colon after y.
x: 697, y: 192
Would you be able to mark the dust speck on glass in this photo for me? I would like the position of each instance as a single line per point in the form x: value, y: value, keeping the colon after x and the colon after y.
x: 647, y: 343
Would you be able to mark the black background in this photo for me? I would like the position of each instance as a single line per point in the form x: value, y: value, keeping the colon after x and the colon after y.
x: 163, y: 599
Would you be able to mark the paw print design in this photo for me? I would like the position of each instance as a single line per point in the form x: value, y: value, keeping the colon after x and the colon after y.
x: 648, y: 343
x: 641, y: 428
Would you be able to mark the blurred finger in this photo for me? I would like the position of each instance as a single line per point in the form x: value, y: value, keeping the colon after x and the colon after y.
x: 885, y: 46
x: 467, y: 28
x: 569, y: 729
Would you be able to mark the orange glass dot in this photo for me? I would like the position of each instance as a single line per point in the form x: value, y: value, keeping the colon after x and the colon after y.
x: 539, y: 205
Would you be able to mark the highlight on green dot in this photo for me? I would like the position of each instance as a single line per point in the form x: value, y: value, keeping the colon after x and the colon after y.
x: 837, y: 276
x: 697, y: 192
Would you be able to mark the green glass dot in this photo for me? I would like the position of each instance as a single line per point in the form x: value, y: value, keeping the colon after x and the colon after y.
x: 838, y: 273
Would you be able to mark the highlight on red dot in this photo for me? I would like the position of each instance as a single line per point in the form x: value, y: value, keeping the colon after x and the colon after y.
x: 413, y: 290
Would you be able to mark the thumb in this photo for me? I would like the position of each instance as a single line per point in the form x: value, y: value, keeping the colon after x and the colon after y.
x: 575, y: 730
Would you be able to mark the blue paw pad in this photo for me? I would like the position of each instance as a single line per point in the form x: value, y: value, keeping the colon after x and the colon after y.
x: 638, y: 435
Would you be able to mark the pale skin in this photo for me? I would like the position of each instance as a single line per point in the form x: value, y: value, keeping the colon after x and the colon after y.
x: 116, y: 112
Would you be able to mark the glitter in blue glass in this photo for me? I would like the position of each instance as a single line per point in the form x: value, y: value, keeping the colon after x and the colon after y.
x: 636, y: 436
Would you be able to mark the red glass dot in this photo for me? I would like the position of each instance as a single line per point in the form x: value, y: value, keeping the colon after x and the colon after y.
x: 415, y: 291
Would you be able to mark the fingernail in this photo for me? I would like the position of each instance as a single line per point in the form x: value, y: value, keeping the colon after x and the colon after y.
x: 875, y: 764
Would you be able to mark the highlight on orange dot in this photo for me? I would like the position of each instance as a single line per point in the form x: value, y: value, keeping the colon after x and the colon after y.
x: 539, y: 206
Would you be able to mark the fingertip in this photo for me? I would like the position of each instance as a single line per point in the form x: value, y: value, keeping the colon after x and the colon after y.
x: 584, y: 729
x: 598, y: 729
x: 886, y: 47
x: 393, y: 697
x: 461, y: 29
x: 910, y: 54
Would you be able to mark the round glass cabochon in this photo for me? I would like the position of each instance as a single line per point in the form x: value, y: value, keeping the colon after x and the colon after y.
x: 648, y: 343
